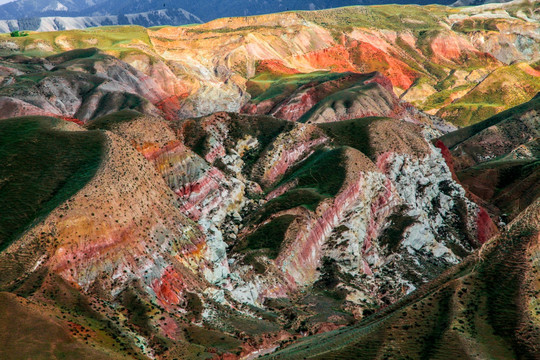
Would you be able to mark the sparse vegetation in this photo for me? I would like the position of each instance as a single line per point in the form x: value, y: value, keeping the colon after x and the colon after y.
x: 393, y: 234
x: 133, y: 265
x: 42, y: 167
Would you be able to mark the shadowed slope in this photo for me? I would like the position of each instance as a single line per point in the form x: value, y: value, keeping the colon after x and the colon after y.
x: 498, y: 158
x: 77, y: 85
x: 45, y: 161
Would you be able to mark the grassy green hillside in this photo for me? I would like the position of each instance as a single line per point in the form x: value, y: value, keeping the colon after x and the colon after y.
x: 42, y: 166
x: 115, y: 40
x: 456, y: 137
x: 506, y: 87
x: 266, y: 86
x: 390, y: 17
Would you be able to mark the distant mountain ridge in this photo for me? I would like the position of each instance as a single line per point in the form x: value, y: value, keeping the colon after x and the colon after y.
x: 146, y: 19
x: 166, y: 12
x: 477, y: 2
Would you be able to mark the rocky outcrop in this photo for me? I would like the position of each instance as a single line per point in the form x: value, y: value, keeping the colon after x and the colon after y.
x: 506, y: 266
x: 376, y: 220
x: 409, y: 61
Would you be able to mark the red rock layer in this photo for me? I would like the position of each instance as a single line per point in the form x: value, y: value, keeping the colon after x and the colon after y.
x: 274, y: 66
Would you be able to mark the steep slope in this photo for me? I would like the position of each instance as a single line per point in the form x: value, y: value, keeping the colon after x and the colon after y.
x: 102, y: 242
x: 31, y: 8
x: 261, y: 192
x: 519, y: 81
x: 105, y: 222
x: 486, y: 307
x: 320, y: 97
x: 518, y: 126
x: 42, y: 142
x: 318, y: 184
x: 497, y: 159
x: 408, y: 50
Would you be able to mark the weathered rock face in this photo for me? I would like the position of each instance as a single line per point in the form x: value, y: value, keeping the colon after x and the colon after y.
x: 397, y: 209
x: 207, y: 196
x: 399, y: 215
x: 203, y: 192
x: 431, y: 207
x: 231, y: 160
x: 147, y: 19
x: 505, y: 266
x: 322, y: 41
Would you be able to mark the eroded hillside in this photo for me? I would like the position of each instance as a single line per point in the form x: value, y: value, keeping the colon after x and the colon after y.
x: 463, y: 64
x: 223, y: 190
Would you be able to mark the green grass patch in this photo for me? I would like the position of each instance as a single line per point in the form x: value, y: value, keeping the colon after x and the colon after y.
x: 107, y: 38
x: 447, y: 82
x: 503, y: 276
x: 77, y: 54
x: 462, y: 114
x: 210, y: 338
x: 454, y: 138
x: 442, y: 97
x: 307, y: 198
x: 269, y: 236
x: 323, y: 172
x: 18, y: 33
x: 268, y: 86
x: 504, y: 88
x: 476, y: 24
x: 410, y: 17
